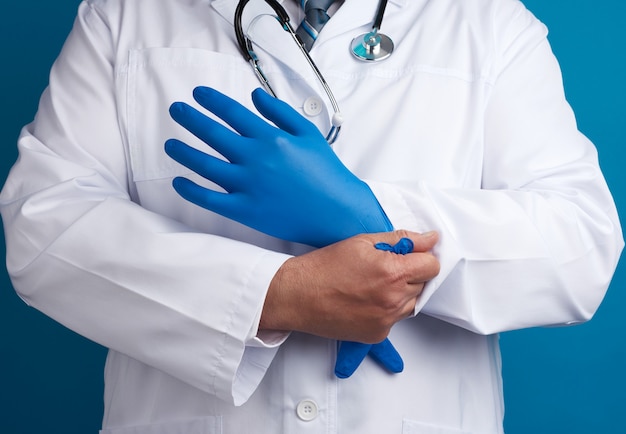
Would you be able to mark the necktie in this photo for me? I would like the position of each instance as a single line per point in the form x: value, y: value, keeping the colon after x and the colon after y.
x: 315, y: 17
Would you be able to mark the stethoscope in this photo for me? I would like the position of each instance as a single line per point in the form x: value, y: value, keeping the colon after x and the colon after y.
x: 371, y: 46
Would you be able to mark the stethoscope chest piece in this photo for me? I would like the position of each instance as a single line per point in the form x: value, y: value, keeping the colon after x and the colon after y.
x: 372, y: 47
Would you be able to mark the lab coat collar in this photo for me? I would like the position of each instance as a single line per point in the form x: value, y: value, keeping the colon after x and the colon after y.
x: 353, y: 13
x: 226, y: 8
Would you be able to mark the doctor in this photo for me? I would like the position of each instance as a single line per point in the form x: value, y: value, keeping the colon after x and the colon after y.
x: 462, y: 138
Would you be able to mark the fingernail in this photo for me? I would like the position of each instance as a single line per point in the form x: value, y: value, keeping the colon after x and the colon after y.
x: 429, y: 234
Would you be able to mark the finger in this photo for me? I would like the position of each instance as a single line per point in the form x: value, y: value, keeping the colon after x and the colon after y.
x: 402, y: 247
x: 420, y: 266
x: 209, y: 167
x: 218, y: 202
x: 386, y: 355
x: 282, y: 114
x: 217, y: 136
x: 232, y: 112
x: 422, y: 242
x: 349, y: 357
x: 425, y: 241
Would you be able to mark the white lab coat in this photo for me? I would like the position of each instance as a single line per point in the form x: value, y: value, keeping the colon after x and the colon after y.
x: 464, y: 130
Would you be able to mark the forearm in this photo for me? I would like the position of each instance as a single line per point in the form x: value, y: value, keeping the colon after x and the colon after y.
x: 145, y: 286
x: 512, y: 259
x: 132, y: 280
x: 529, y: 231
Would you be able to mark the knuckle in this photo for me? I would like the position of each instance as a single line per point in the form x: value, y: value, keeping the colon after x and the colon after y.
x: 393, y: 306
x: 425, y: 264
x: 403, y: 233
x: 432, y: 263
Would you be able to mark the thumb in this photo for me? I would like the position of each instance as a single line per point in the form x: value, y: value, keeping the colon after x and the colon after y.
x: 422, y: 242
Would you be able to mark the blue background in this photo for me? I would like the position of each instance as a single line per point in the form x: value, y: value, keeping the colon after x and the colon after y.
x: 561, y: 380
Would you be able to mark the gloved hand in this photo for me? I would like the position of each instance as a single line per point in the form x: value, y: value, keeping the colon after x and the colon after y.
x: 286, y: 181
x: 282, y: 180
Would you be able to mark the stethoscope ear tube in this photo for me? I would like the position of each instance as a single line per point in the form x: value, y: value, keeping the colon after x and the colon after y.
x: 244, y: 44
x: 371, y: 46
x: 247, y: 50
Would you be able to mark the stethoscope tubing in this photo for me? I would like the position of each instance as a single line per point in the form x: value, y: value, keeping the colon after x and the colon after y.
x: 247, y: 50
x: 372, y: 46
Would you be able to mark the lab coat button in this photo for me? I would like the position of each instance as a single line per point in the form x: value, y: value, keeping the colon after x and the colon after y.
x: 313, y: 106
x: 307, y: 410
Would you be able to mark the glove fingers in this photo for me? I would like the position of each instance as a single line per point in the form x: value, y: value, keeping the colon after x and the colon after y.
x: 282, y: 114
x: 218, y: 202
x: 386, y: 355
x: 349, y: 357
x: 209, y: 167
x: 230, y: 111
x: 217, y: 136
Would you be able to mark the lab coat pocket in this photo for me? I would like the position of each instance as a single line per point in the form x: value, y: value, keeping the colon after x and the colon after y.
x: 157, y: 77
x: 413, y: 427
x: 205, y: 425
x: 153, y: 80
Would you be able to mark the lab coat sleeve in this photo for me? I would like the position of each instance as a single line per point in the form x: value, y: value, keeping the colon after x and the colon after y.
x: 538, y: 243
x: 134, y: 281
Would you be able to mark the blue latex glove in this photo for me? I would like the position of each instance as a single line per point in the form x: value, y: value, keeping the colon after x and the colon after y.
x: 286, y: 181
x: 351, y: 354
x: 283, y: 180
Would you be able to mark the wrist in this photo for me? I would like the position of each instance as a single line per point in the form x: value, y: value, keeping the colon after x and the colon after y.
x: 373, y: 217
x: 279, y: 312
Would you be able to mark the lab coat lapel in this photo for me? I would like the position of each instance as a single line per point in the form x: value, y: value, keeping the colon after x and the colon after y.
x: 351, y: 15
x: 226, y: 8
x: 267, y: 33
x: 275, y: 46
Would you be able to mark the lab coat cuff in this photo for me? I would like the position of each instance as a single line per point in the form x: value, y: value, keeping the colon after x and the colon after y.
x: 268, y: 339
x: 264, y: 338
x: 260, y: 345
x: 254, y: 364
x: 398, y: 211
x: 400, y: 203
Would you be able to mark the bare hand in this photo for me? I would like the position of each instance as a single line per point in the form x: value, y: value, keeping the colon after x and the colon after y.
x: 350, y: 290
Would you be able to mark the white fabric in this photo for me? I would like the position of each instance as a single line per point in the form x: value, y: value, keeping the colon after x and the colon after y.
x: 464, y: 130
